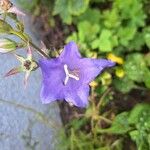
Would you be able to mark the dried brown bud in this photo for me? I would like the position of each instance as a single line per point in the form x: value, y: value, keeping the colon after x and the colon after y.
x: 5, y: 5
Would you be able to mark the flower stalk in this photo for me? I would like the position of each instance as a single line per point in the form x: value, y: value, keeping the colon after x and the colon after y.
x: 26, y: 39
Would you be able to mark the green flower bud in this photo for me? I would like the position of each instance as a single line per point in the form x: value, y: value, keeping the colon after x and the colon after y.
x: 7, y: 45
x: 5, y: 27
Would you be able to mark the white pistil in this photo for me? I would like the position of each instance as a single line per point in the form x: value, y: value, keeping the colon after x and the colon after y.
x: 68, y: 75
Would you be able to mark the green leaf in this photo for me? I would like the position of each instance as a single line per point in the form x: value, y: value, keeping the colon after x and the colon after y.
x: 136, y: 112
x: 62, y: 8
x: 147, y: 59
x: 137, y: 42
x: 134, y: 134
x: 105, y: 44
x: 147, y: 78
x: 112, y: 19
x: 77, y: 7
x: 124, y: 85
x: 147, y: 36
x: 87, y: 31
x: 120, y: 125
x: 95, y: 44
x: 126, y: 34
x: 135, y: 67
x: 67, y: 8
x: 141, y: 141
x: 90, y: 15
x: 25, y: 4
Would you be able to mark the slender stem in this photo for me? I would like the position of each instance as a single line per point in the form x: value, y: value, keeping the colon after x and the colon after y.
x: 105, y: 119
x: 39, y: 50
x: 102, y: 98
x: 25, y: 39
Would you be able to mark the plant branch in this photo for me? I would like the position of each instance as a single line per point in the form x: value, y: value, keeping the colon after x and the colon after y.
x: 26, y: 40
x: 102, y: 98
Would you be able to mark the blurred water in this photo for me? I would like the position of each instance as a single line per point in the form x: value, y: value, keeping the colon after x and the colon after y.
x: 20, y: 126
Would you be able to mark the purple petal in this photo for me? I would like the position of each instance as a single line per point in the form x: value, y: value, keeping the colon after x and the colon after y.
x: 52, y: 86
x: 78, y: 97
x: 91, y: 68
x: 70, y: 51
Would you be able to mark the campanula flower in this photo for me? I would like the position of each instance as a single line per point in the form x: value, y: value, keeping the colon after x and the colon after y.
x: 68, y: 76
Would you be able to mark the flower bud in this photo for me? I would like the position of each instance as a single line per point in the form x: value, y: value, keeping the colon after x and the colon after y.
x: 7, y: 45
x: 5, y: 27
x: 120, y: 72
x: 7, y: 7
x: 106, y: 78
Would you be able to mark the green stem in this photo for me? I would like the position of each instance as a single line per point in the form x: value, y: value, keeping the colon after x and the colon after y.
x: 102, y: 98
x: 105, y: 119
x: 26, y: 40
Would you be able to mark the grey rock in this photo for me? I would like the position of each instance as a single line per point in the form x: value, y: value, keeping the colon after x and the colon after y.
x: 25, y: 123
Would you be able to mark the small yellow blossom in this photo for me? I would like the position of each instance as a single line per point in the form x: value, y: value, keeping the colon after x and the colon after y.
x: 93, y: 84
x: 115, y: 58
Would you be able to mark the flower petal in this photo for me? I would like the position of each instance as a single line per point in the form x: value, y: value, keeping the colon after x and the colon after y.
x: 91, y: 68
x: 78, y: 97
x: 70, y: 51
x: 52, y: 86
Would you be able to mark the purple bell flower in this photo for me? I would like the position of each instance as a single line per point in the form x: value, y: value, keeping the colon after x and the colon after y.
x: 68, y: 76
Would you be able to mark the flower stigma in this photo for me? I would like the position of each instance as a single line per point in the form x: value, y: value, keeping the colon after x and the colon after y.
x: 69, y: 75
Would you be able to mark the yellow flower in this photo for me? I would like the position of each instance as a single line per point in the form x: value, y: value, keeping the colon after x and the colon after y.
x: 93, y: 84
x: 115, y: 58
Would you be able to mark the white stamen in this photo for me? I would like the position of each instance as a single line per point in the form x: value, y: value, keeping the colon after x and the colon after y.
x: 74, y: 77
x: 66, y: 79
x: 66, y: 69
x: 68, y: 75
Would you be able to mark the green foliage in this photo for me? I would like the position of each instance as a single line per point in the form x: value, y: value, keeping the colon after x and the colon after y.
x: 124, y: 85
x: 28, y: 5
x: 136, y: 70
x: 136, y: 123
x: 135, y: 67
x: 120, y: 125
x: 139, y: 117
x: 66, y: 9
x: 36, y: 7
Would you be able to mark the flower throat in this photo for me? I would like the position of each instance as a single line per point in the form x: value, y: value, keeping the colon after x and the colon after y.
x: 70, y: 74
